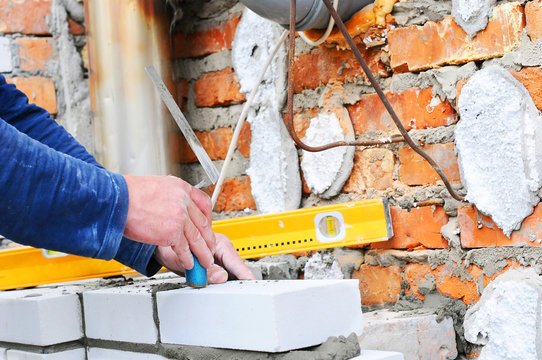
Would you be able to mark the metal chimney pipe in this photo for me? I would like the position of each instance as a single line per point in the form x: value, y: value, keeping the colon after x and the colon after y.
x: 131, y: 125
x: 310, y: 14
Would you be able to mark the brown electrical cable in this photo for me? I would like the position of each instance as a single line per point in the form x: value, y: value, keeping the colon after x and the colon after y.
x: 374, y: 83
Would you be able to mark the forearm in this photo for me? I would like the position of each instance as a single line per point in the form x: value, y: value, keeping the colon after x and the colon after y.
x: 57, y: 202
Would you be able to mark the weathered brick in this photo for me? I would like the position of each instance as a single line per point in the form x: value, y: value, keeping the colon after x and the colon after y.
x: 445, y: 43
x: 533, y: 15
x: 415, y: 276
x: 205, y: 42
x: 235, y: 195
x: 75, y: 27
x: 478, y: 230
x: 215, y: 142
x: 324, y: 65
x: 243, y: 143
x: 447, y: 283
x: 40, y: 91
x: 35, y: 52
x: 25, y: 16
x: 531, y: 78
x: 415, y: 228
x: 377, y: 284
x: 219, y: 88
x: 373, y: 169
x: 414, y: 170
x: 416, y: 108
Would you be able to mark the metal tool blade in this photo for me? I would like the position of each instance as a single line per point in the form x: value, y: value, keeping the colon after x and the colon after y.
x: 183, y: 124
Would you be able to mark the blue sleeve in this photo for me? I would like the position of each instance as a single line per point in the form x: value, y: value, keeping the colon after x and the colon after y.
x: 36, y: 123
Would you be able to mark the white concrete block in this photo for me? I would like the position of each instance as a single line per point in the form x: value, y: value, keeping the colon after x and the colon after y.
x: 269, y: 316
x: 108, y: 354
x: 378, y: 355
x: 40, y: 317
x: 120, y: 314
x: 416, y: 336
x: 75, y: 354
x: 5, y: 55
x: 2, y: 354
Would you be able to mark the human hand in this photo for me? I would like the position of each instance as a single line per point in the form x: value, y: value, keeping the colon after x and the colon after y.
x: 225, y: 255
x: 168, y: 212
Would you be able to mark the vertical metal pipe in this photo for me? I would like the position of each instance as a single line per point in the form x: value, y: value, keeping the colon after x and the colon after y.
x: 130, y: 123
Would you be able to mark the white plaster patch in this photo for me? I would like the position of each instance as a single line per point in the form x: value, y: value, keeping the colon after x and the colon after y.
x: 274, y: 164
x: 499, y: 146
x: 5, y: 55
x: 255, y: 39
x: 322, y: 265
x: 472, y: 15
x: 274, y: 167
x: 322, y: 168
x: 505, y: 318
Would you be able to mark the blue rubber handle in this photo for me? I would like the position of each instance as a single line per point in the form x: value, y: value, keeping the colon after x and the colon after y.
x: 197, y: 276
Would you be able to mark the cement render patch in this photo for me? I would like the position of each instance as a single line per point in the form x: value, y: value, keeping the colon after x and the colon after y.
x: 5, y: 55
x: 378, y: 355
x: 270, y: 316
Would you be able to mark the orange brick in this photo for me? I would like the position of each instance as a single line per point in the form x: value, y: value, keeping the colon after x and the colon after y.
x: 183, y: 87
x: 40, y: 91
x: 412, y: 106
x: 478, y: 230
x: 434, y: 44
x: 25, y: 16
x: 243, y: 143
x: 373, y: 169
x: 219, y: 88
x: 378, y: 285
x: 531, y: 78
x: 35, y: 52
x: 235, y: 195
x: 415, y: 274
x: 450, y: 285
x: 206, y: 42
x: 215, y: 143
x: 414, y: 228
x: 302, y: 120
x: 533, y: 15
x: 414, y: 170
x: 323, y: 65
x: 75, y: 27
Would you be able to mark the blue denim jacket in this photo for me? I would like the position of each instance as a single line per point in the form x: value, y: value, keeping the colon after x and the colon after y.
x: 53, y: 193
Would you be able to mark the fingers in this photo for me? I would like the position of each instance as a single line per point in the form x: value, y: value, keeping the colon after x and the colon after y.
x: 197, y: 245
x: 230, y: 259
x: 216, y: 275
x: 202, y: 224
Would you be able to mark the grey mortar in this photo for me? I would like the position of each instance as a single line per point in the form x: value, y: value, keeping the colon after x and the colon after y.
x: 335, y: 348
x: 73, y: 94
x: 193, y: 173
x: 418, y: 12
x: 349, y: 260
x: 493, y: 260
x: 313, y: 200
x: 203, y: 15
x: 192, y: 69
x: 281, y: 267
x: 442, y: 81
x: 397, y: 257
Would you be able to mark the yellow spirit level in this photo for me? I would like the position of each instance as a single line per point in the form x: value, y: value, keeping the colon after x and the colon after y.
x: 346, y: 224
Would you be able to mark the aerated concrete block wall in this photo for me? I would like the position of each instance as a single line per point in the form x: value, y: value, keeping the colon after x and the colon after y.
x: 442, y: 255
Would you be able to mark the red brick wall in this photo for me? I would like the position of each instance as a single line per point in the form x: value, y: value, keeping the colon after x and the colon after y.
x: 23, y: 25
x: 393, y: 170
